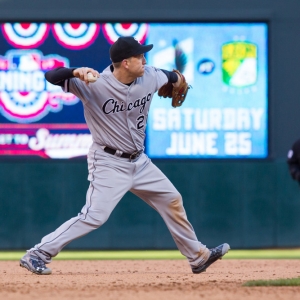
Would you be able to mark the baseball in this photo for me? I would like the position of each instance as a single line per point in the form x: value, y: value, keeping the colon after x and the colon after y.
x: 91, y: 77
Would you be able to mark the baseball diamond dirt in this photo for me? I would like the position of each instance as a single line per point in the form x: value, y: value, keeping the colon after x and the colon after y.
x: 147, y: 280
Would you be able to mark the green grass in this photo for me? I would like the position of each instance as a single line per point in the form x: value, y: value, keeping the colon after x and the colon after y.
x: 274, y: 282
x: 159, y: 254
x: 101, y: 255
x: 264, y: 254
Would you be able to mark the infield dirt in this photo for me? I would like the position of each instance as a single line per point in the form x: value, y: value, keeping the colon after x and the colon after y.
x: 148, y: 280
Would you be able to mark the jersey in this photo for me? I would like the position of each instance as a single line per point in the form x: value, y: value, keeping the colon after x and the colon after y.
x: 116, y: 113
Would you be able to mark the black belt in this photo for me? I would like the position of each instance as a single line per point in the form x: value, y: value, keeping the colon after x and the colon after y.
x: 132, y: 156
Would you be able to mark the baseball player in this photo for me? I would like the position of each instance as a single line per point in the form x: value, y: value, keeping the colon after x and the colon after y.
x: 116, y: 108
x: 293, y: 161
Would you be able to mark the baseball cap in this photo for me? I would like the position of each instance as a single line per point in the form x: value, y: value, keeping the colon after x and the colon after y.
x: 125, y: 47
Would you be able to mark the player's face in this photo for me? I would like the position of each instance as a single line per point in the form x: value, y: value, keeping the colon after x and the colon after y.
x: 136, y: 65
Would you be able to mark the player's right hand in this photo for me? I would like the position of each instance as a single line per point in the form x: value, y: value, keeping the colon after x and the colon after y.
x: 82, y: 72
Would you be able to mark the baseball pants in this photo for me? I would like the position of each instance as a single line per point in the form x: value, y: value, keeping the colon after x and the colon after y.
x: 110, y: 178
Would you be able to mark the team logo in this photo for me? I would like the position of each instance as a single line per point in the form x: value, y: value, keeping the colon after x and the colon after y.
x: 176, y: 55
x: 25, y: 95
x: 239, y: 64
x: 206, y: 66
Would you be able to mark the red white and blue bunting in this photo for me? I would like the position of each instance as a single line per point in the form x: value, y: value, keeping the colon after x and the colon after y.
x: 113, y: 31
x: 75, y: 35
x: 25, y: 35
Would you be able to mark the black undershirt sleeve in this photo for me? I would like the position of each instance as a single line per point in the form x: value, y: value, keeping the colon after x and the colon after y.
x: 172, y: 76
x: 58, y: 76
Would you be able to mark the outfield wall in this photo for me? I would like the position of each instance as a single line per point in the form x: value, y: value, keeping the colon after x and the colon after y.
x: 247, y: 204
x: 250, y: 204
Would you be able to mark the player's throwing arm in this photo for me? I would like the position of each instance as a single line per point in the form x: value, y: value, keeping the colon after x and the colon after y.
x: 88, y: 75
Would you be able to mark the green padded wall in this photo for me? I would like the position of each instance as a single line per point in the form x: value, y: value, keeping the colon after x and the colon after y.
x: 248, y: 204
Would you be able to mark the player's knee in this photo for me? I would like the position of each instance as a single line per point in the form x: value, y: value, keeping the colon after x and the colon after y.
x: 176, y: 201
x: 177, y: 210
x: 96, y: 219
x: 178, y: 197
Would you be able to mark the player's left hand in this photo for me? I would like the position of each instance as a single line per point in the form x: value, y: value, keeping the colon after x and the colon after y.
x: 177, y: 91
x: 177, y: 84
x: 82, y: 72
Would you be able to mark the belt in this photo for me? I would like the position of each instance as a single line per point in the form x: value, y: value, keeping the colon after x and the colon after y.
x: 131, y: 156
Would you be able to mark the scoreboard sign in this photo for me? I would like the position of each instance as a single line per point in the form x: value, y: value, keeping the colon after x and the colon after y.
x: 224, y: 116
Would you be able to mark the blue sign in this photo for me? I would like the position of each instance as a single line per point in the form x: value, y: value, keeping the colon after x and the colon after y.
x: 225, y: 114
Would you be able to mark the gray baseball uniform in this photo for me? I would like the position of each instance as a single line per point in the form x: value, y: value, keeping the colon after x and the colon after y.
x: 116, y: 115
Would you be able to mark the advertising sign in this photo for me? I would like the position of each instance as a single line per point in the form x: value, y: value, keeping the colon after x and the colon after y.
x: 224, y: 116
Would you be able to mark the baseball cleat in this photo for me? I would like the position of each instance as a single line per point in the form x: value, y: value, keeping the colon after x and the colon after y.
x: 216, y: 253
x: 34, y: 264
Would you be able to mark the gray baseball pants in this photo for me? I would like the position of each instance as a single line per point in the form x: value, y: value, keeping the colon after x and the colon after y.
x: 110, y: 178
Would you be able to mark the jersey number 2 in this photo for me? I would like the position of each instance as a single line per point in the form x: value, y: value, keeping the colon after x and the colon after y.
x: 140, y: 123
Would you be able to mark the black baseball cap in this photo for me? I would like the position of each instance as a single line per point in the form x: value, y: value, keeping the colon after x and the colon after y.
x: 125, y: 47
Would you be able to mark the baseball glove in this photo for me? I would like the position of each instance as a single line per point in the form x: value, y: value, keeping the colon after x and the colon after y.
x: 177, y: 94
